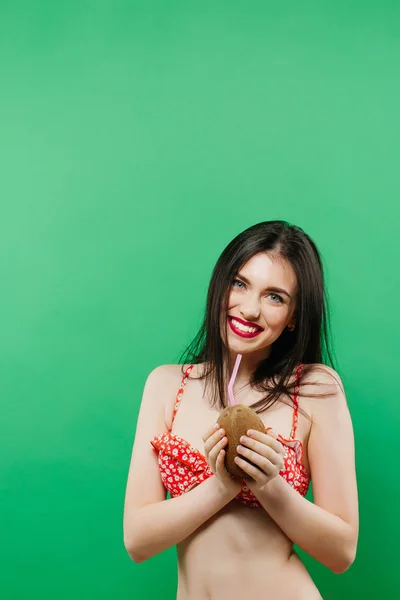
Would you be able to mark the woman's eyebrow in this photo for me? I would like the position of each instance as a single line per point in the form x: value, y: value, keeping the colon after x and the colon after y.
x: 269, y: 289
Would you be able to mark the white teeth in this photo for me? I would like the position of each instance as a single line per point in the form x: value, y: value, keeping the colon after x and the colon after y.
x: 244, y: 327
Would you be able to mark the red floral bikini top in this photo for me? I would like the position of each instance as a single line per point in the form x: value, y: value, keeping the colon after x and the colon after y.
x: 182, y: 466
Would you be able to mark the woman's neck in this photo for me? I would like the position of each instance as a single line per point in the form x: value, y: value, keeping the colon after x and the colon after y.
x: 248, y: 364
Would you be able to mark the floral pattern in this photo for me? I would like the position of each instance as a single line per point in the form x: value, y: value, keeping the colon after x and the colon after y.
x: 182, y: 466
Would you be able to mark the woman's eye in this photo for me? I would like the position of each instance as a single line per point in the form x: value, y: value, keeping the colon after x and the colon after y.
x: 278, y: 299
x: 235, y: 281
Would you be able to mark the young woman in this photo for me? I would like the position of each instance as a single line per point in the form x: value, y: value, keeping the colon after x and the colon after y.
x: 267, y: 302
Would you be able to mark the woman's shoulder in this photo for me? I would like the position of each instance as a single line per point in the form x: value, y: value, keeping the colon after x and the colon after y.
x: 172, y: 372
x: 318, y: 373
x: 322, y: 390
x: 165, y: 374
x: 166, y: 380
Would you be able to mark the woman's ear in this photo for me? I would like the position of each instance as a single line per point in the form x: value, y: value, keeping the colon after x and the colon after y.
x: 292, y: 322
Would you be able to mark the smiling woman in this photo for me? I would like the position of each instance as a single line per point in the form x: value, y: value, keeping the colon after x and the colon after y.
x: 266, y: 301
x: 272, y: 305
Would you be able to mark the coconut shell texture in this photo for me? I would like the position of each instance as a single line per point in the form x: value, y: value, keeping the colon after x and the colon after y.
x: 236, y: 421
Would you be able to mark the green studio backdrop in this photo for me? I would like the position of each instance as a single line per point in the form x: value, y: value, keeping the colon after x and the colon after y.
x: 137, y: 139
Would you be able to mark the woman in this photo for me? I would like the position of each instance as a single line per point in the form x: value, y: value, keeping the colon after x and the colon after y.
x: 266, y: 301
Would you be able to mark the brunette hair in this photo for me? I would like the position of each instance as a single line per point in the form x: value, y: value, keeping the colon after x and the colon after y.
x: 308, y: 344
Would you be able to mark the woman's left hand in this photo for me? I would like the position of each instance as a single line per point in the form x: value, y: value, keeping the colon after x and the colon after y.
x: 264, y: 452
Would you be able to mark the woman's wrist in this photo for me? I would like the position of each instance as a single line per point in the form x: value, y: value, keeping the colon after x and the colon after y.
x: 225, y: 492
x: 270, y: 492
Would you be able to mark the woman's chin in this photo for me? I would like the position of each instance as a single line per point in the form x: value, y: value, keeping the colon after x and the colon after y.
x: 242, y: 347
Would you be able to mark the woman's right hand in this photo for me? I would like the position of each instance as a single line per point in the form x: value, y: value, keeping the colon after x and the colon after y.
x: 214, y: 444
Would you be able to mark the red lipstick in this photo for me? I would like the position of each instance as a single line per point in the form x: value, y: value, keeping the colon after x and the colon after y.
x: 245, y: 334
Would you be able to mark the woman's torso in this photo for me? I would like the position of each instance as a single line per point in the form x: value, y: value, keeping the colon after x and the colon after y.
x: 240, y: 550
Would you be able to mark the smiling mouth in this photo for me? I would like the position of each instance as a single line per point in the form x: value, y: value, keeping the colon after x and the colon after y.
x: 244, y: 330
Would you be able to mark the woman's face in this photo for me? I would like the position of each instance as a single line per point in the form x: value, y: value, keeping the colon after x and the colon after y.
x: 263, y: 296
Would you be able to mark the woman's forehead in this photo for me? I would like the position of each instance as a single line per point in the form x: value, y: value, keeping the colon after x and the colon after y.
x: 266, y: 270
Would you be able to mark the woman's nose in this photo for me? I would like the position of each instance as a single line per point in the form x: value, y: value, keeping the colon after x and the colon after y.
x: 250, y: 313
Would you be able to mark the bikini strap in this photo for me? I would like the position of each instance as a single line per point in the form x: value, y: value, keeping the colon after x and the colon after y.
x: 296, y: 401
x: 180, y: 392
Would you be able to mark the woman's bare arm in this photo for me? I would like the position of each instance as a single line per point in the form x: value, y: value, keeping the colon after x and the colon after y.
x: 328, y: 528
x: 151, y: 523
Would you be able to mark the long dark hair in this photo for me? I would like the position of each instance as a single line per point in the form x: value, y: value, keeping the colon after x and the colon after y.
x: 308, y: 344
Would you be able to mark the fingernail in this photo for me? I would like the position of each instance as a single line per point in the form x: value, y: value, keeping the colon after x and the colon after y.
x: 216, y: 426
x: 250, y: 432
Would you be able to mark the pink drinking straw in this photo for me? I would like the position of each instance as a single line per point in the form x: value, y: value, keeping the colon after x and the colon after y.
x: 232, y: 380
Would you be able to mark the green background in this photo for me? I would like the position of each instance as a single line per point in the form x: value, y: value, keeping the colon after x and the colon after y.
x: 136, y: 140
